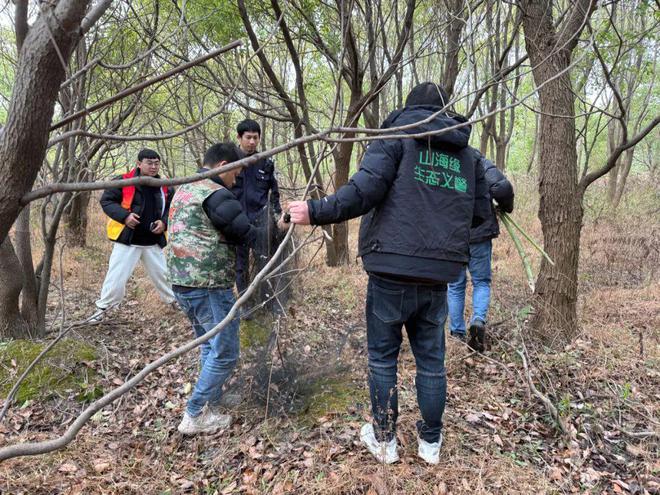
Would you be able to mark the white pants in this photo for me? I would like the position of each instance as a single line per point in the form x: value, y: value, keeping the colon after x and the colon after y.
x: 122, y: 263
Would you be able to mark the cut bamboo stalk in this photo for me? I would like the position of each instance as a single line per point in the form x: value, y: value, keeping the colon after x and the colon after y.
x: 523, y: 256
x: 506, y: 216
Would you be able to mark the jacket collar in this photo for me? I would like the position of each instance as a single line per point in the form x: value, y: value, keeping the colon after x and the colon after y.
x: 215, y: 178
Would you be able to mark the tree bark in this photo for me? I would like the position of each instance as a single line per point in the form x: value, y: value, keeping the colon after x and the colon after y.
x: 624, y: 171
x: 23, y: 241
x: 458, y: 13
x: 560, y: 208
x: 77, y: 220
x: 39, y: 74
x: 12, y: 324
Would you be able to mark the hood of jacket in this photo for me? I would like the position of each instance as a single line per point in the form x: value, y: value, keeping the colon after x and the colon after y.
x: 455, y: 139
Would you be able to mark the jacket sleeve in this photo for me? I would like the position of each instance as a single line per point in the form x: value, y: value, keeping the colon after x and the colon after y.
x: 168, y: 202
x: 227, y: 216
x: 237, y: 188
x: 274, y: 192
x: 365, y: 190
x: 499, y: 187
x: 111, y: 204
x: 482, y: 202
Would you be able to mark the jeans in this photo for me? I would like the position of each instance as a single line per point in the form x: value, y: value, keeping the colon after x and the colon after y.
x: 423, y: 310
x: 206, y: 308
x: 480, y: 272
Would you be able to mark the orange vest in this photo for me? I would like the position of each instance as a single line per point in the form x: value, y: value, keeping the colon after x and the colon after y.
x: 115, y: 228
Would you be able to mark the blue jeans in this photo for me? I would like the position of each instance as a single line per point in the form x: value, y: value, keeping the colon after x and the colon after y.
x: 423, y: 310
x: 206, y: 308
x: 480, y: 272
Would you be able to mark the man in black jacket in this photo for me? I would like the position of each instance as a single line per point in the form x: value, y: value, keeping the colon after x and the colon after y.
x: 419, y: 197
x: 257, y: 190
x: 137, y: 221
x: 481, y: 250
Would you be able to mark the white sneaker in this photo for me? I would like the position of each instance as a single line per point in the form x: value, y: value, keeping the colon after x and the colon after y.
x: 430, y: 452
x: 207, y: 422
x: 384, y: 452
x: 97, y: 317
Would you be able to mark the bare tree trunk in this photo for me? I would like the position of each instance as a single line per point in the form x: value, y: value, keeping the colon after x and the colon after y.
x: 613, y: 175
x: 560, y: 208
x: 24, y: 255
x: 624, y: 171
x: 340, y: 252
x: 457, y: 19
x: 77, y: 219
x: 12, y: 324
x: 39, y: 74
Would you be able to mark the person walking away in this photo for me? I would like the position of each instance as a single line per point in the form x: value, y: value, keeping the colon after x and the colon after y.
x: 479, y: 265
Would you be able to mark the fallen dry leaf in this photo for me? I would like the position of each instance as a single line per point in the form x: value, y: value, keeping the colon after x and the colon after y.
x: 68, y: 468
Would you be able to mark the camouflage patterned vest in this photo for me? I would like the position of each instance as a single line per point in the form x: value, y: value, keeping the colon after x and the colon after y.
x: 198, y: 255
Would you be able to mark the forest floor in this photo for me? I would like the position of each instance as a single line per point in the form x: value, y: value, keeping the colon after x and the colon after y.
x: 304, y: 396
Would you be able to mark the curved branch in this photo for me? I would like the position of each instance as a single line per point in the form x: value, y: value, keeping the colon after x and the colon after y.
x: 588, y: 179
x: 373, y: 134
x: 142, y: 137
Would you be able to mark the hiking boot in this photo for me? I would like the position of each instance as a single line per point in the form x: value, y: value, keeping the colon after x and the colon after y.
x: 384, y: 452
x: 206, y: 422
x: 458, y: 335
x: 428, y: 451
x: 477, y: 336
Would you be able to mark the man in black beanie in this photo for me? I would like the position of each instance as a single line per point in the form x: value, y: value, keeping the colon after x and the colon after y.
x: 419, y: 196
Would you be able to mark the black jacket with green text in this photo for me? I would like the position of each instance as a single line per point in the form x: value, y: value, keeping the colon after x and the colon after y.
x: 419, y: 198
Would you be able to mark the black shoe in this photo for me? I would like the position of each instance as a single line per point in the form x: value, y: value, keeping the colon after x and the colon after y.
x: 458, y: 335
x: 477, y: 336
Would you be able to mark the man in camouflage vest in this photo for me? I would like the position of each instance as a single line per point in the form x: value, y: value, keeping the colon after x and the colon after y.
x: 205, y: 226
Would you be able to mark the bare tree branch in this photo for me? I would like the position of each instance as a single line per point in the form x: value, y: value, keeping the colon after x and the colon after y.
x: 145, y: 84
x: 588, y: 179
x: 20, y: 22
x: 94, y: 15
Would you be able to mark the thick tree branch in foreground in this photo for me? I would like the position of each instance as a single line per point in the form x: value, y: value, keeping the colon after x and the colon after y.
x: 373, y: 134
x: 37, y: 448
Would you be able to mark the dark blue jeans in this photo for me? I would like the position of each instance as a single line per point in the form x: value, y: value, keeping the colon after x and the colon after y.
x: 206, y: 308
x: 423, y: 310
x: 480, y: 271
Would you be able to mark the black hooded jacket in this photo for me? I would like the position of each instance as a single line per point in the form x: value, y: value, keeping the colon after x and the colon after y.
x: 226, y: 214
x: 419, y: 198
x: 500, y: 190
